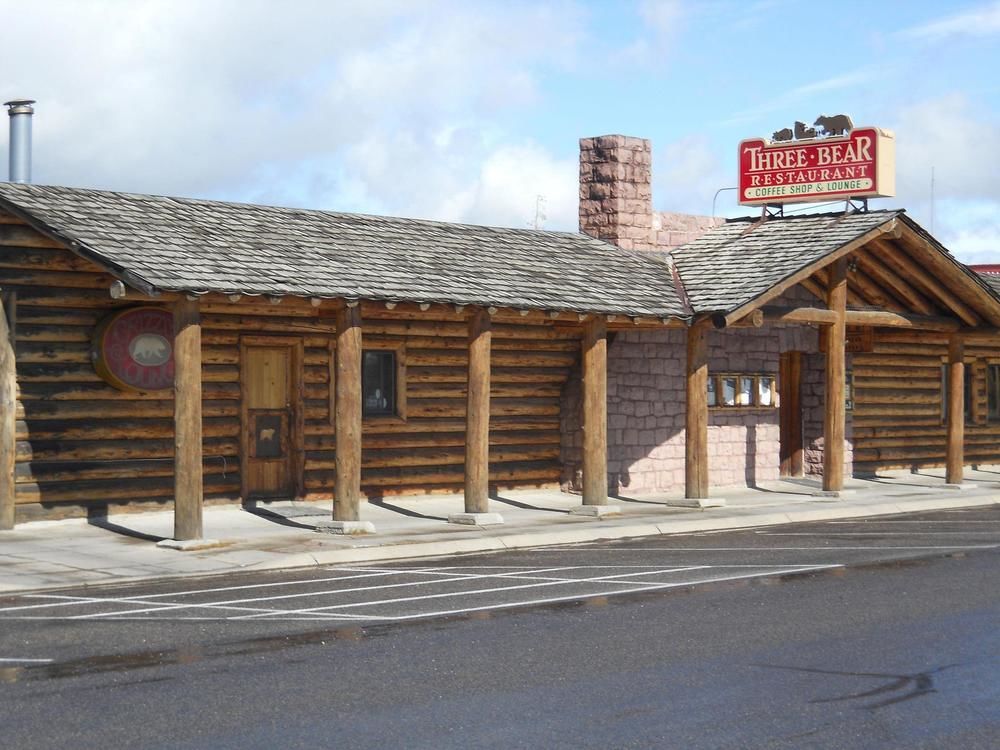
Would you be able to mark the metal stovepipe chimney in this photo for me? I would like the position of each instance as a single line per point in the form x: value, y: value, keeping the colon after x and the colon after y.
x: 20, y: 111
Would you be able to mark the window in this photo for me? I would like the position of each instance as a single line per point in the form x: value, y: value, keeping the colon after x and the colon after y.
x: 744, y: 390
x: 849, y: 390
x: 993, y: 392
x: 383, y: 379
x: 378, y: 383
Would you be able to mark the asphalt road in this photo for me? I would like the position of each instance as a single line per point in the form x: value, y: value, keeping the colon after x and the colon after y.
x: 847, y: 634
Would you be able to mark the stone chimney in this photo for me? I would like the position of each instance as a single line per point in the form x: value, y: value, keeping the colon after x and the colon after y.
x: 616, y: 192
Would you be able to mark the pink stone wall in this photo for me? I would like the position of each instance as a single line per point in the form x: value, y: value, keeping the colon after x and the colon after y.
x: 813, y: 386
x: 646, y: 408
x: 671, y: 230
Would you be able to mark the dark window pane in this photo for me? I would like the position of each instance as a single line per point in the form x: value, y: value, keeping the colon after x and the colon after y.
x: 993, y: 390
x: 378, y: 383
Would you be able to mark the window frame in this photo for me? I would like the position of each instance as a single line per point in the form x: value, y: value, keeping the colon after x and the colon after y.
x: 717, y: 385
x: 372, y: 344
x: 993, y: 367
x: 398, y: 349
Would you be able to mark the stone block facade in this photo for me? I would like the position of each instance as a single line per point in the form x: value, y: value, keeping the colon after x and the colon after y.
x: 646, y: 410
x: 673, y: 230
x: 616, y: 190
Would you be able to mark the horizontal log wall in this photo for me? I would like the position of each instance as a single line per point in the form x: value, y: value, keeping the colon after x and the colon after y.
x: 898, y: 416
x: 82, y: 443
x: 530, y: 365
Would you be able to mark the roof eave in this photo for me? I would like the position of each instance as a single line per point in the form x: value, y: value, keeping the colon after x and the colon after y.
x: 80, y: 248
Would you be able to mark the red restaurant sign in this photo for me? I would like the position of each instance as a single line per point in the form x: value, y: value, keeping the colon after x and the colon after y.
x: 858, y: 165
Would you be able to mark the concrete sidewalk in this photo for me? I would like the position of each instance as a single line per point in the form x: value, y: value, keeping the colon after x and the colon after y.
x: 78, y: 552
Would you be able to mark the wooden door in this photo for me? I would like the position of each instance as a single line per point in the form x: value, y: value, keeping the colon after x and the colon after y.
x: 271, y: 431
x: 790, y: 413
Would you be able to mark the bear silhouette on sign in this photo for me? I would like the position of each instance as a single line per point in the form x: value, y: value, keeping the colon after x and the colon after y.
x: 835, y: 124
x: 785, y: 134
x: 801, y: 131
x: 266, y: 434
x: 149, y: 349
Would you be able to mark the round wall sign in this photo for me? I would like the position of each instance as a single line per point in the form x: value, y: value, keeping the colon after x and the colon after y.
x: 134, y: 349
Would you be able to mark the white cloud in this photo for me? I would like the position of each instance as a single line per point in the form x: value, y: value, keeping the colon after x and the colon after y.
x: 962, y: 146
x: 686, y: 175
x: 981, y: 21
x: 661, y: 22
x: 386, y: 106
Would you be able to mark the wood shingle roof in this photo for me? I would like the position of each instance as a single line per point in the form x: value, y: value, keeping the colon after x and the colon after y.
x: 175, y: 244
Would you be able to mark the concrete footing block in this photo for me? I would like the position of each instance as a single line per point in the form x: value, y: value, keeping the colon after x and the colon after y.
x: 962, y: 486
x: 351, y: 528
x: 827, y: 496
x: 597, y: 511
x: 188, y: 545
x: 476, y: 519
x: 697, y: 502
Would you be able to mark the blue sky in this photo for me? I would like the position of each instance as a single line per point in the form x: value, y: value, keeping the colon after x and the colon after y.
x: 467, y: 111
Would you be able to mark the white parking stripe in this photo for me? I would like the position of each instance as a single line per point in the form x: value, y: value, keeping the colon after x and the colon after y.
x: 7, y: 660
x: 638, y: 589
x: 163, y: 606
x: 324, y: 613
x: 558, y: 582
x: 145, y: 597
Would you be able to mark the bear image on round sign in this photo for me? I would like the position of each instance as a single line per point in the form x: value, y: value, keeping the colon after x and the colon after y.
x: 133, y: 349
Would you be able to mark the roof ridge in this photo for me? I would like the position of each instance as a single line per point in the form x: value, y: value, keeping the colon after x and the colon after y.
x: 527, y: 231
x: 795, y: 217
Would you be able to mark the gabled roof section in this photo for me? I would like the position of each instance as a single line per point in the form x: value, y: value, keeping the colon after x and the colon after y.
x: 739, y: 261
x: 175, y: 244
x: 893, y: 265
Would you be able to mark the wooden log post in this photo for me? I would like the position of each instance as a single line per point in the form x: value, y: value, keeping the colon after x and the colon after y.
x: 696, y: 430
x: 834, y: 413
x: 477, y: 430
x: 347, y: 488
x: 595, y: 411
x: 956, y: 410
x: 188, y: 487
x: 8, y: 408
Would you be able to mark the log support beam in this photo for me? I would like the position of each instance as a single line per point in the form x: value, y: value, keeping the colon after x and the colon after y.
x: 8, y: 407
x: 874, y: 318
x: 956, y: 410
x: 188, y: 485
x: 595, y: 418
x: 347, y: 489
x: 477, y: 425
x: 834, y: 415
x: 696, y: 433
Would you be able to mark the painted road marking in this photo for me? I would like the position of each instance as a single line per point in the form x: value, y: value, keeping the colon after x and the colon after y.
x: 639, y: 589
x: 180, y: 605
x: 168, y: 611
x: 77, y: 599
x: 10, y: 660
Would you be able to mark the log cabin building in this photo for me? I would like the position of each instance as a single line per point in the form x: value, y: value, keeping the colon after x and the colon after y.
x: 163, y: 350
